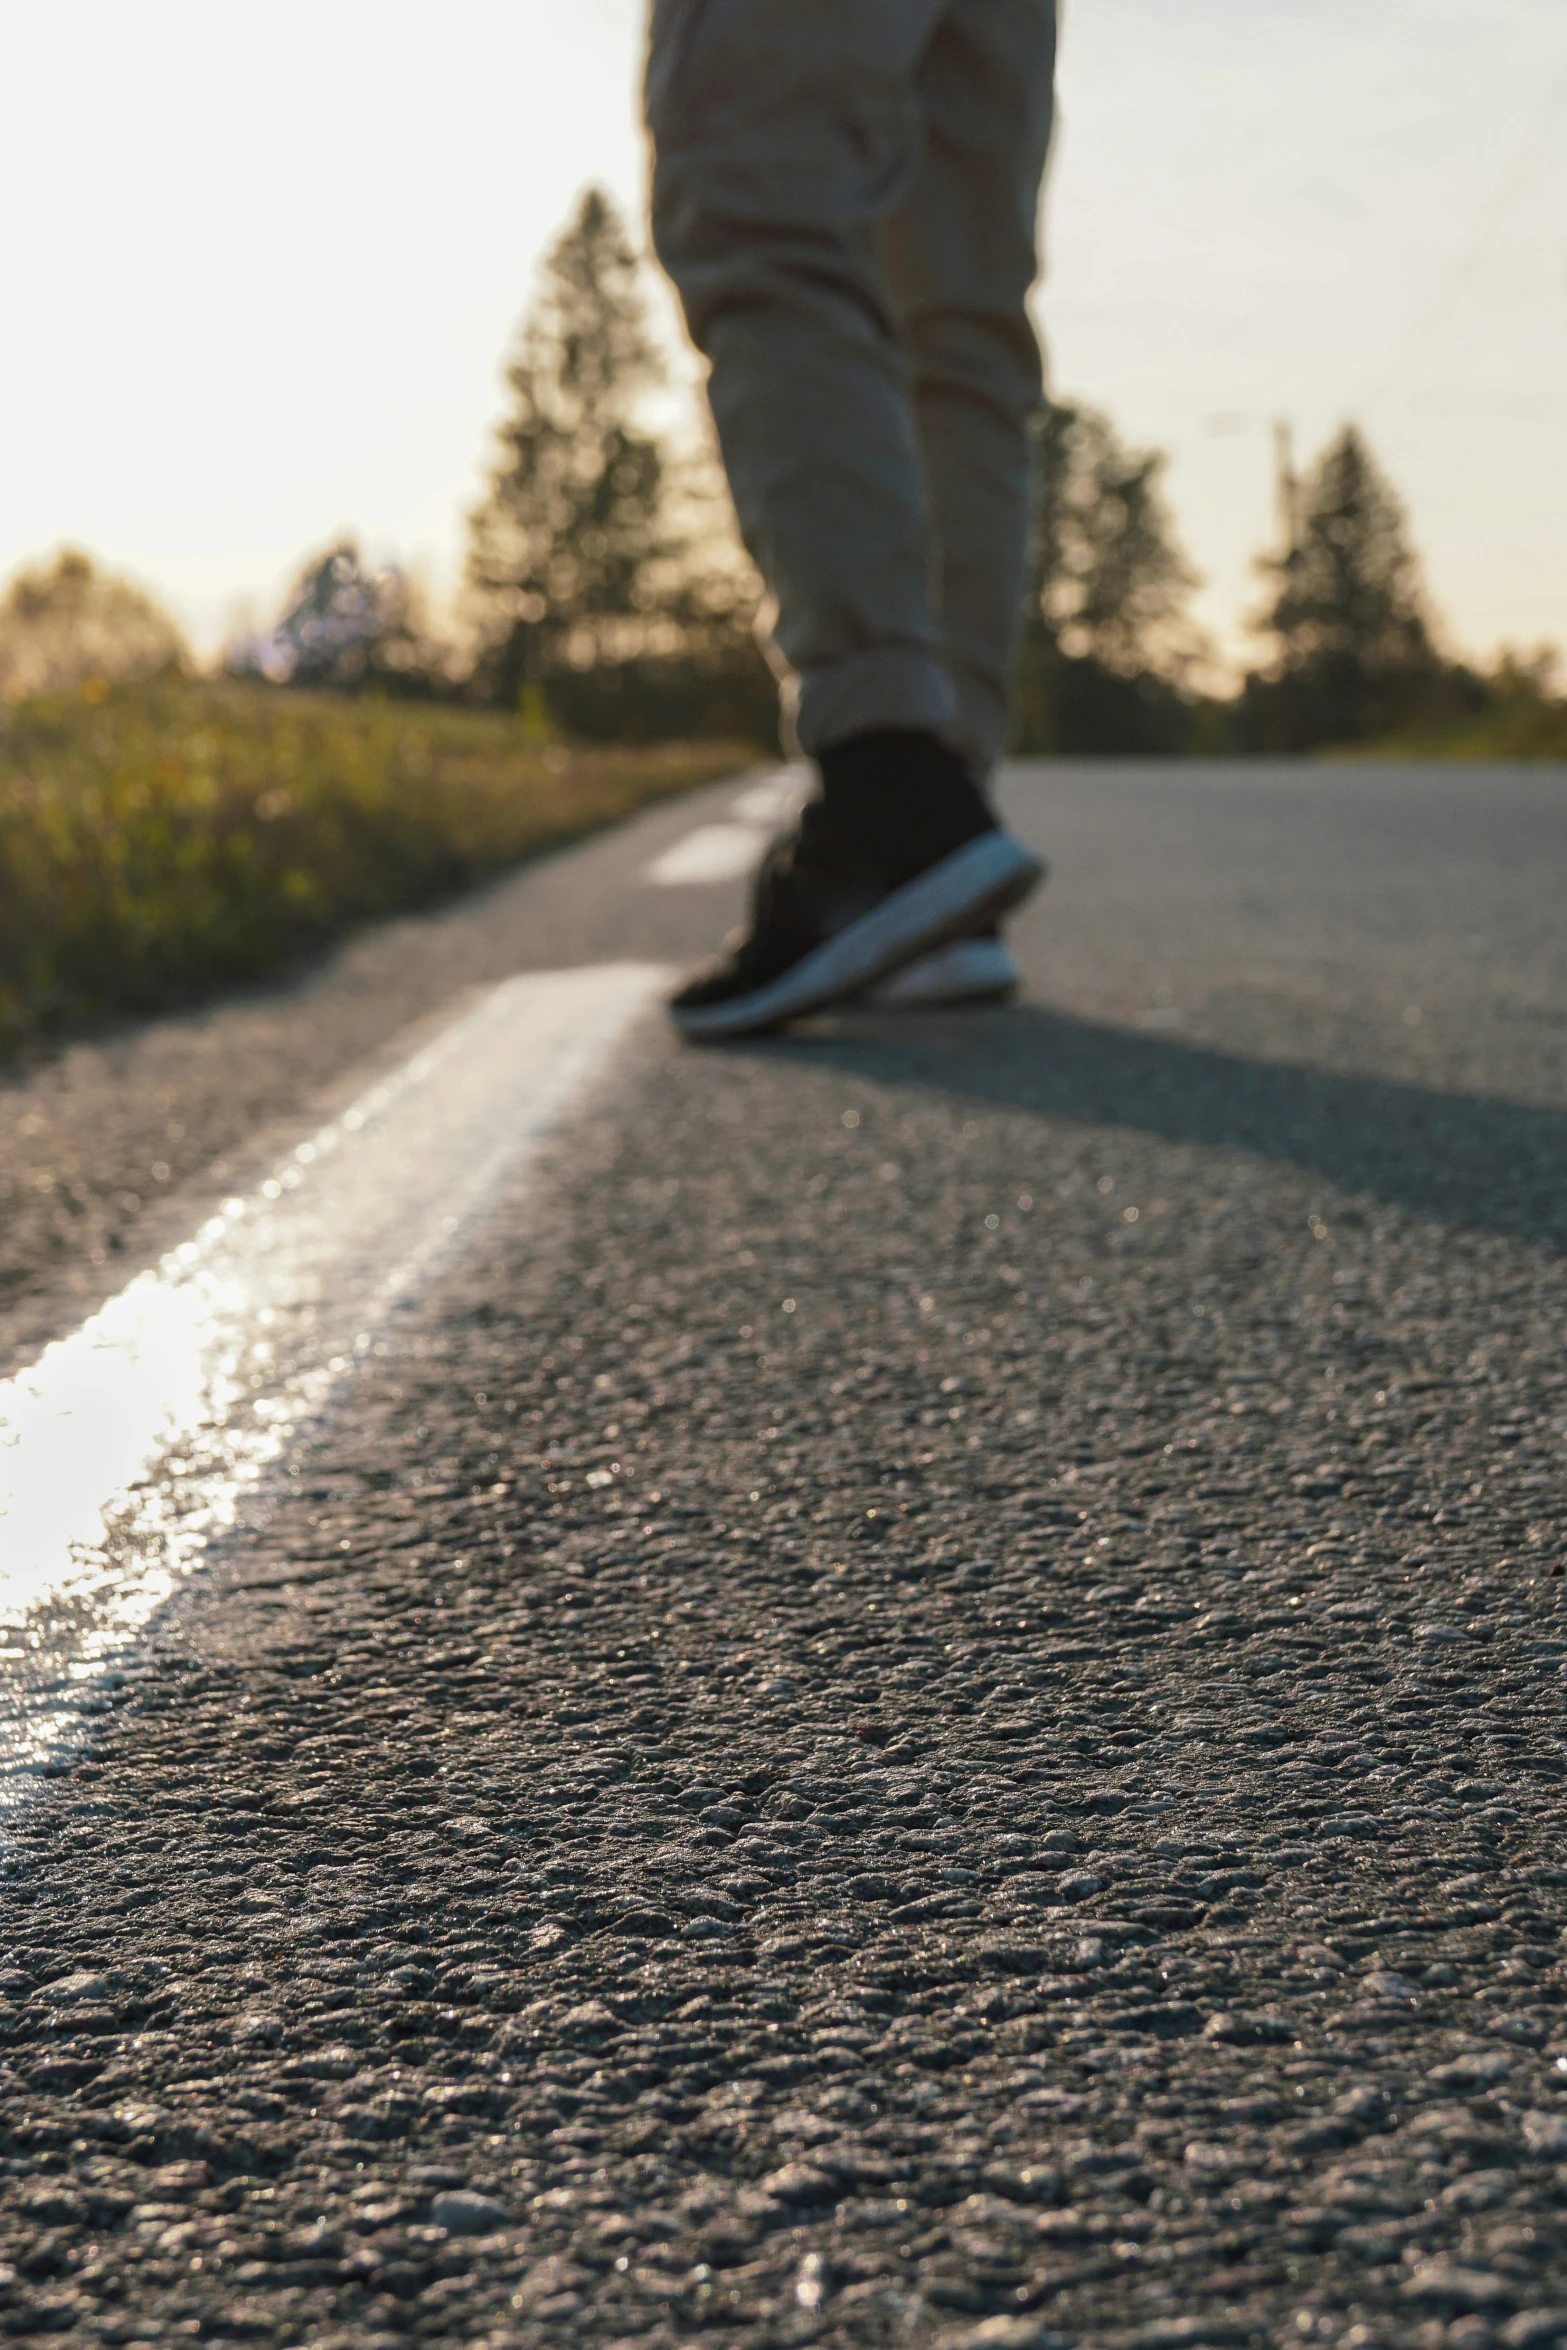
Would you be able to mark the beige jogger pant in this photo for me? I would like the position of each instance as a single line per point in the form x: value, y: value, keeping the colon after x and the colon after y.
x: 845, y: 193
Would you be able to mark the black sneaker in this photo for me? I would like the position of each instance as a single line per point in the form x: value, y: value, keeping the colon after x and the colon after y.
x: 977, y: 970
x: 898, y: 854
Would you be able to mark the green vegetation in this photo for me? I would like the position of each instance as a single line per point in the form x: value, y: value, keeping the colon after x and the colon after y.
x: 65, y: 622
x: 605, y: 581
x: 1514, y: 713
x: 605, y: 591
x: 164, y: 838
x: 1352, y: 653
x: 1352, y: 661
x: 606, y: 599
x: 1107, y: 645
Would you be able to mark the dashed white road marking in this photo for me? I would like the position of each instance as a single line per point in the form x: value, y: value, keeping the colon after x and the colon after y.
x: 723, y: 851
x: 133, y: 1441
x: 714, y: 852
x: 775, y: 797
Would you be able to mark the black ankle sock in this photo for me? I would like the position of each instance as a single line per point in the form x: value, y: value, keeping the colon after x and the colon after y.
x: 902, y: 792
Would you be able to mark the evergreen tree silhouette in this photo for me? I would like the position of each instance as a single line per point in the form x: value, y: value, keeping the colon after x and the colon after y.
x: 1107, y: 640
x: 1352, y: 649
x: 570, y: 537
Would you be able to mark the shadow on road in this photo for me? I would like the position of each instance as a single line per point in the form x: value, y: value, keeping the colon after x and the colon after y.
x: 1490, y: 1166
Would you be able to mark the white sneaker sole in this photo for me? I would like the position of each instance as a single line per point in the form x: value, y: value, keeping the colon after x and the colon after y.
x: 976, y: 884
x: 970, y: 971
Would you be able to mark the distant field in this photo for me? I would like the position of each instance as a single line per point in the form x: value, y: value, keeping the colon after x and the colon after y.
x: 158, y: 842
x: 1527, y: 730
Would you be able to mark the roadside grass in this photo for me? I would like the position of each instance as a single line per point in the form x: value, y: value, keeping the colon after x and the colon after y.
x: 1521, y: 730
x: 162, y: 841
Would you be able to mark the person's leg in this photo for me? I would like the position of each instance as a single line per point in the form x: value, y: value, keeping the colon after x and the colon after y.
x: 784, y: 133
x: 960, y: 255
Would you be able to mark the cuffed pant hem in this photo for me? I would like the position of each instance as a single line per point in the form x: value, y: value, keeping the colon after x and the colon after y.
x: 886, y: 688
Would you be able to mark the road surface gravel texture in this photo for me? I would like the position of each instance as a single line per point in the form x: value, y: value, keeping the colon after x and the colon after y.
x: 923, y: 1704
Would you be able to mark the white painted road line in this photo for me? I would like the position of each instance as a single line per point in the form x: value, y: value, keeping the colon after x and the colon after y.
x: 775, y: 798
x: 129, y: 1444
x: 714, y: 852
x: 724, y: 851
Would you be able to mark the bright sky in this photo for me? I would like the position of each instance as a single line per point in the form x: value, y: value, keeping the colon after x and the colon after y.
x: 263, y: 266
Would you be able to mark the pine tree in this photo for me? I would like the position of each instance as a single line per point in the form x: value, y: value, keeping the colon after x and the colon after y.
x: 1107, y: 638
x: 569, y: 554
x: 1109, y: 581
x: 1352, y: 647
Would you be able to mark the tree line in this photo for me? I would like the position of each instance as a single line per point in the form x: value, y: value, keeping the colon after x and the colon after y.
x: 606, y: 597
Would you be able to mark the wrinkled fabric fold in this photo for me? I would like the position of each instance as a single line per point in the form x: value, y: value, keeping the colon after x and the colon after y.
x: 845, y: 194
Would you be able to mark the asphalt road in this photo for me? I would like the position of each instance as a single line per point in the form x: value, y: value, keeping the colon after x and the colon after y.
x: 924, y: 1701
